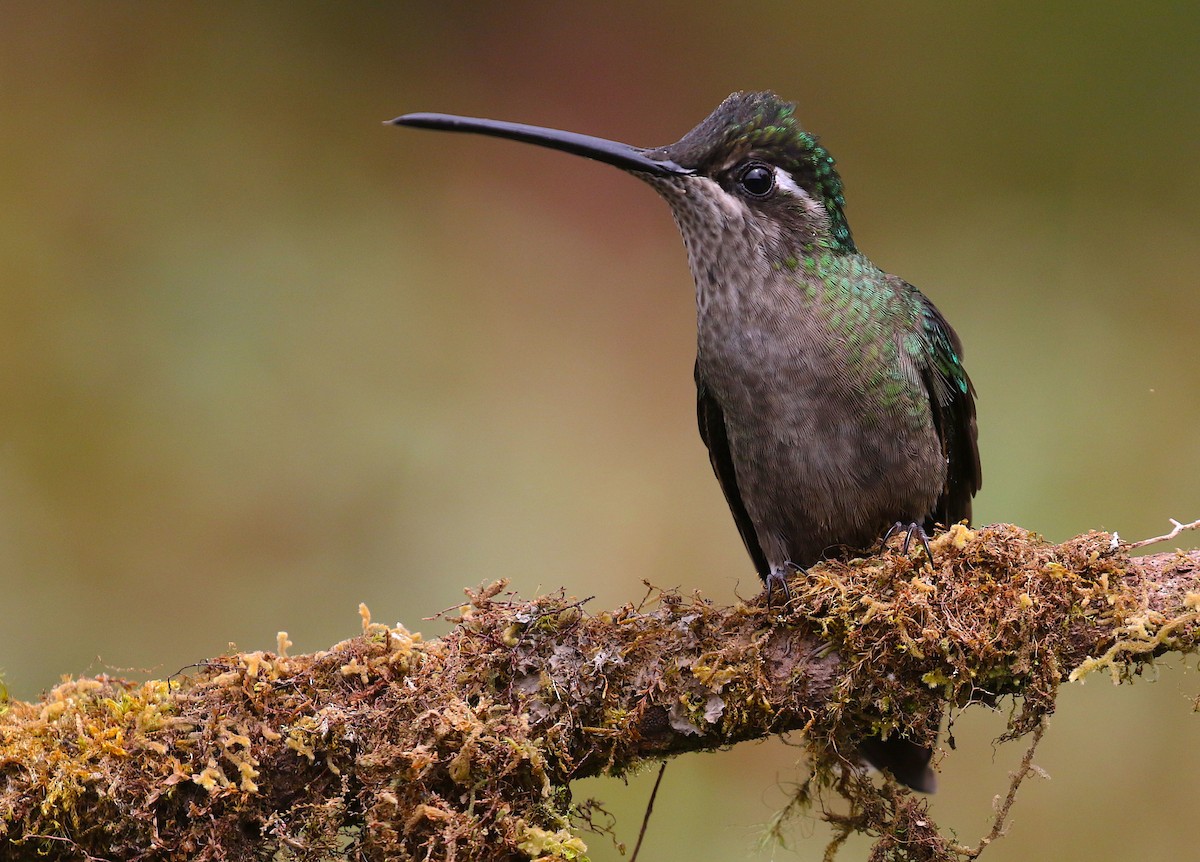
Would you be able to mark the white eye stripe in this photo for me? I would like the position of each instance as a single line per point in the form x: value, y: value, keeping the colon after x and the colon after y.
x: 784, y: 180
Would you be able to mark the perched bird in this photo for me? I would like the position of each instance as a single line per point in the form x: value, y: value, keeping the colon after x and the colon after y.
x: 831, y: 395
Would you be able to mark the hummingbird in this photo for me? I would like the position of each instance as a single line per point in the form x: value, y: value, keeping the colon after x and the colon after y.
x: 830, y: 395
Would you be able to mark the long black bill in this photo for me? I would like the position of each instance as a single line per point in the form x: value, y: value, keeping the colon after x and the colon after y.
x: 609, y: 152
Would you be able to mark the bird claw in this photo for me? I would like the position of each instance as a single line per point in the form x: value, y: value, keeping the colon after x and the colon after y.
x: 778, y: 579
x: 911, y: 529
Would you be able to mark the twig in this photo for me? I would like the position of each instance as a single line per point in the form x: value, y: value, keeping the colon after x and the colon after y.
x: 1179, y: 528
x: 649, y: 807
x: 998, y: 827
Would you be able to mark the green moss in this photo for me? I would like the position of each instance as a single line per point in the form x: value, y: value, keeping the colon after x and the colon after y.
x: 468, y: 744
x: 542, y: 845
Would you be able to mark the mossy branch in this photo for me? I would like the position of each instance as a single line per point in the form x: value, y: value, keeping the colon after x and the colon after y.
x: 390, y: 747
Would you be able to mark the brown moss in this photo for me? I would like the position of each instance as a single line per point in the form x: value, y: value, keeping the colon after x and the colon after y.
x: 389, y: 747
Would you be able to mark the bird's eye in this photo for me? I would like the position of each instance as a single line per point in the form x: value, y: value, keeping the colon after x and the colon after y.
x: 757, y: 180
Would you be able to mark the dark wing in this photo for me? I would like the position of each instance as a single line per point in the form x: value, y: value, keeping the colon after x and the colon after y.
x: 712, y: 432
x: 952, y: 399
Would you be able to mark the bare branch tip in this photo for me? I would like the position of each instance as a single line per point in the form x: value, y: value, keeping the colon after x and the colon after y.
x: 1177, y: 529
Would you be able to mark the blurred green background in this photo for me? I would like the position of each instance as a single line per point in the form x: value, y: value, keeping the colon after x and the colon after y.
x: 263, y: 358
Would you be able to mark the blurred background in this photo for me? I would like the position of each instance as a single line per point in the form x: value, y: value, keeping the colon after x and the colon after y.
x: 263, y: 358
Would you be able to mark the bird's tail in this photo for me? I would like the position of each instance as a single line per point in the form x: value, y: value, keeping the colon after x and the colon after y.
x: 903, y: 759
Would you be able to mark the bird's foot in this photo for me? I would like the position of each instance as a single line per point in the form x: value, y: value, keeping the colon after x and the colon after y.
x: 911, y: 529
x: 778, y: 579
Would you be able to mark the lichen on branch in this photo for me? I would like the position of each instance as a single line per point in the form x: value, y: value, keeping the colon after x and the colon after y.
x: 386, y: 746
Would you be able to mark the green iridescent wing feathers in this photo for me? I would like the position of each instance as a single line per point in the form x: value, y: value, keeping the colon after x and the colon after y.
x: 952, y: 403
